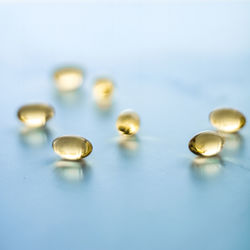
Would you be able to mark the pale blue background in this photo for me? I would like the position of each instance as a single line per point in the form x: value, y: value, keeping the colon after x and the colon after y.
x: 173, y: 64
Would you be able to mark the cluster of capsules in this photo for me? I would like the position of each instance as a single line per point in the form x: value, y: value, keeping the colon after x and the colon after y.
x: 73, y: 147
x: 210, y: 143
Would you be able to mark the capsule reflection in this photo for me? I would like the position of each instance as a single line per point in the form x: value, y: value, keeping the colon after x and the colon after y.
x: 207, y: 167
x: 129, y: 143
x: 233, y: 143
x: 70, y: 99
x: 34, y: 137
x: 72, y: 171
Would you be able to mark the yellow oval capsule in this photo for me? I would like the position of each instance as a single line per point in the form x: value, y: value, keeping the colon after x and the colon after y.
x: 72, y: 147
x: 206, y: 144
x: 68, y: 79
x: 128, y: 122
x: 35, y: 115
x: 103, y: 88
x: 227, y: 120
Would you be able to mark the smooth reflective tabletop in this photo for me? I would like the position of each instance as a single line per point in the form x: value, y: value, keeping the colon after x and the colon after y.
x: 172, y: 64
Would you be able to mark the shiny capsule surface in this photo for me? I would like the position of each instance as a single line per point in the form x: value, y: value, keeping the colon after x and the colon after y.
x: 68, y: 78
x: 72, y: 147
x: 206, y: 144
x: 128, y: 122
x: 35, y: 115
x: 103, y: 87
x: 227, y: 120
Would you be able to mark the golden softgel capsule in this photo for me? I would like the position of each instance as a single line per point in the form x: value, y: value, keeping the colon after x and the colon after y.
x: 206, y: 144
x: 227, y: 120
x: 128, y: 122
x: 72, y: 147
x: 68, y: 79
x: 35, y: 115
x: 103, y: 88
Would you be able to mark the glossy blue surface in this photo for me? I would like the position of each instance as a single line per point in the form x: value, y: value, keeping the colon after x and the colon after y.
x: 173, y: 64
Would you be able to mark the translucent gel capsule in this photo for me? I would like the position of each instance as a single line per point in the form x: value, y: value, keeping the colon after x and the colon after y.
x: 128, y: 122
x: 103, y: 87
x: 35, y: 115
x: 206, y: 144
x: 68, y: 79
x: 227, y: 120
x: 72, y: 147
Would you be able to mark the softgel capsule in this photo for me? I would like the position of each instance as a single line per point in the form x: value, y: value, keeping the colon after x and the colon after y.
x: 103, y: 88
x: 206, y: 144
x: 128, y: 122
x: 68, y: 78
x: 35, y: 115
x: 227, y: 120
x: 72, y: 147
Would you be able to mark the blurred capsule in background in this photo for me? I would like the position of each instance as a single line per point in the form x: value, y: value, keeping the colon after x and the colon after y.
x: 128, y: 122
x: 206, y: 144
x: 68, y: 78
x: 103, y: 90
x: 227, y: 120
x: 103, y: 87
x: 72, y: 147
x: 35, y: 115
x: 129, y: 143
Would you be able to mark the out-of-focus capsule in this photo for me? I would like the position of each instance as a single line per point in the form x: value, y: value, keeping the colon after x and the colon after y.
x: 35, y: 115
x: 103, y: 87
x: 103, y: 92
x: 68, y: 79
x: 227, y: 120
